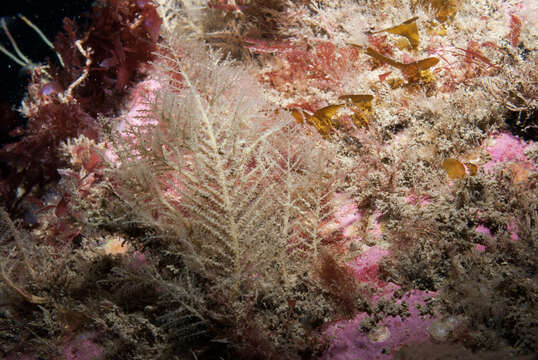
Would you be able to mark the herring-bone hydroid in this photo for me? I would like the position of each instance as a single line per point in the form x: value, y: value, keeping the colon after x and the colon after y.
x: 237, y: 192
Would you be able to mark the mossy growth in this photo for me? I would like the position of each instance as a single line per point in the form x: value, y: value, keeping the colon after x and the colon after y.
x: 487, y: 277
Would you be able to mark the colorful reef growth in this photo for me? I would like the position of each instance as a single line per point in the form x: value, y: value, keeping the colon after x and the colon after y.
x: 276, y: 179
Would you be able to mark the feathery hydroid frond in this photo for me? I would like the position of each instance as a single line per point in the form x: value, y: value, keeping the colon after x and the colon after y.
x: 215, y: 168
x: 236, y: 190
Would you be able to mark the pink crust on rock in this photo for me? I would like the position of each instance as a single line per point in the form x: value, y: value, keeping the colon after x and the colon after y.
x: 344, y: 218
x: 347, y: 214
x: 83, y: 347
x: 365, y: 268
x: 376, y: 230
x: 507, y: 148
x: 349, y: 342
x: 380, y: 343
x: 480, y: 248
x: 511, y: 227
x: 481, y: 229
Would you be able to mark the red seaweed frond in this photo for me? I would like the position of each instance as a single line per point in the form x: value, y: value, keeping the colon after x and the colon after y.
x: 340, y: 281
x: 515, y: 30
x: 99, y: 63
x: 473, y: 55
x: 471, y: 63
x: 379, y: 42
x: 321, y: 65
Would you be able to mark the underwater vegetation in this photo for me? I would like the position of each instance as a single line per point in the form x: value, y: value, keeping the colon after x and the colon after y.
x: 276, y: 180
x: 106, y: 57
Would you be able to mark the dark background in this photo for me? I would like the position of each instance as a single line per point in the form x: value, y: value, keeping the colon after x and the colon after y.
x: 48, y: 16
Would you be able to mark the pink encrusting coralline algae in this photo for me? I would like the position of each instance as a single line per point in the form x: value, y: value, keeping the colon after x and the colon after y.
x: 83, y: 347
x: 351, y: 341
x: 354, y: 339
x: 506, y: 149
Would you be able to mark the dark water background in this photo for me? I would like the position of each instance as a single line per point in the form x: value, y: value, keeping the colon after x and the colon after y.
x: 48, y: 16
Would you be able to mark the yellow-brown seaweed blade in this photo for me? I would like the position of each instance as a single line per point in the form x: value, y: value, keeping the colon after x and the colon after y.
x: 324, y: 117
x: 357, y: 99
x: 385, y: 60
x: 407, y: 29
x: 454, y: 168
x: 413, y: 69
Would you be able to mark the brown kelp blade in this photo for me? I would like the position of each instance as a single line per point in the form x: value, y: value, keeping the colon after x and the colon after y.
x: 410, y: 69
x: 357, y: 99
x: 323, y: 119
x: 382, y: 58
x: 361, y: 106
x: 408, y: 29
x: 454, y: 168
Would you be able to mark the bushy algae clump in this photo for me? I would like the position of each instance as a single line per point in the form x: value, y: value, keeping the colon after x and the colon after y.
x: 277, y: 180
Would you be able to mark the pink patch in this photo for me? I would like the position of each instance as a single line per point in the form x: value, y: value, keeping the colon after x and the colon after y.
x: 512, y: 228
x: 346, y: 216
x: 369, y: 257
x: 83, y: 347
x: 481, y: 229
x: 139, y: 112
x: 140, y: 106
x: 365, y: 267
x: 376, y: 226
x: 351, y: 343
x: 347, y: 212
x: 414, y: 200
x: 506, y: 148
x: 480, y: 248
